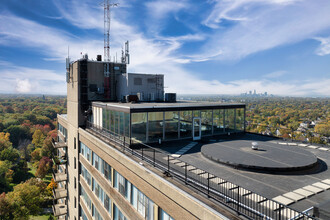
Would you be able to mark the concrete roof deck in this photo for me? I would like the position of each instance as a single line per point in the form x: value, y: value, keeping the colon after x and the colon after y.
x: 267, y: 184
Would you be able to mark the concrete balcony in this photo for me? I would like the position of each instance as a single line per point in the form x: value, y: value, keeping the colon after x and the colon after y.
x: 60, y: 209
x: 61, y: 152
x: 59, y: 144
x: 60, y: 177
x: 60, y: 193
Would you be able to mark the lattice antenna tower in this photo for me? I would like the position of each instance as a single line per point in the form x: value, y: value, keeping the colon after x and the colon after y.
x: 107, y: 19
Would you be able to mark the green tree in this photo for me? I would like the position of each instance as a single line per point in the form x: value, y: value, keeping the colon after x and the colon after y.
x: 4, y: 141
x: 323, y: 129
x: 36, y: 154
x: 5, y: 207
x: 17, y: 133
x: 45, y: 164
x: 26, y: 199
x: 5, y: 171
x: 38, y: 138
x: 10, y: 154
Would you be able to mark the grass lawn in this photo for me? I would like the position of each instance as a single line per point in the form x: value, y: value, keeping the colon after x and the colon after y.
x: 40, y: 217
x: 33, y: 170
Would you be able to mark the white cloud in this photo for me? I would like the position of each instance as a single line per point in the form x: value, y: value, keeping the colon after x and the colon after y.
x: 161, y: 8
x: 276, y: 74
x: 30, y: 80
x: 324, y: 48
x: 262, y: 25
x: 23, y: 86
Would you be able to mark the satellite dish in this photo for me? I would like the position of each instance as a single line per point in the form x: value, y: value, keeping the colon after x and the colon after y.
x: 255, y: 145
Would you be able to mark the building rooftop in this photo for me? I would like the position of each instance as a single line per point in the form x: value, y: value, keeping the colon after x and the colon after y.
x: 188, y: 105
x: 299, y: 189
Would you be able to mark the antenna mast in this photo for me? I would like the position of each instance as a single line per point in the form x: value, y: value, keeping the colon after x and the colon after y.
x: 107, y: 7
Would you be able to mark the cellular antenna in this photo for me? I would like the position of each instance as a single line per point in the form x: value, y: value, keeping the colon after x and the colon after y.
x: 107, y: 6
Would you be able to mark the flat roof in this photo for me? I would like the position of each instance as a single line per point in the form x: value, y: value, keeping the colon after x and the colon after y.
x: 271, y: 185
x: 166, y: 106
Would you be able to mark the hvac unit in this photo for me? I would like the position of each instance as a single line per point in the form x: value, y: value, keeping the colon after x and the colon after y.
x: 170, y: 97
x: 140, y: 96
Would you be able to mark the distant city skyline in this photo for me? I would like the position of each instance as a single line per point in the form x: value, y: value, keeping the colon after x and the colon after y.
x: 202, y: 47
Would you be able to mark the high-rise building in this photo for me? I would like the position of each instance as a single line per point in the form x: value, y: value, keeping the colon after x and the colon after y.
x: 110, y: 161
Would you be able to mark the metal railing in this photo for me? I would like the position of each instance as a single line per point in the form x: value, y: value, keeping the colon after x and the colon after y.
x: 239, y: 199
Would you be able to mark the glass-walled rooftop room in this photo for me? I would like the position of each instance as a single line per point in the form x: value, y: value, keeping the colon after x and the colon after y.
x: 152, y: 126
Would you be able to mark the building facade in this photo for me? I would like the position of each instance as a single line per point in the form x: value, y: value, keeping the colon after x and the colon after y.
x: 101, y: 176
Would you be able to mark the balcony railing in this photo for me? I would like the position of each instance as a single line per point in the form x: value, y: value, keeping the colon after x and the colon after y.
x: 59, y: 177
x: 60, y: 209
x: 239, y: 199
x: 57, y: 144
x: 60, y: 193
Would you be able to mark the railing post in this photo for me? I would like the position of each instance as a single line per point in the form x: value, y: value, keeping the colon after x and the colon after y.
x: 185, y: 172
x: 142, y: 153
x: 154, y: 157
x: 208, y: 184
x: 168, y: 164
x: 280, y: 212
x: 238, y: 198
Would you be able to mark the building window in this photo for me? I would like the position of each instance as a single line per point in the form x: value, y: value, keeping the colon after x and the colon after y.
x: 75, y: 163
x: 107, y: 171
x: 86, y: 174
x: 164, y: 216
x: 151, y: 80
x: 137, y: 81
x: 155, y: 126
x: 96, y: 160
x: 107, y: 204
x: 240, y: 119
x: 96, y: 214
x: 85, y: 197
x: 139, y: 126
x: 171, y: 125
x: 218, y: 118
x: 117, y: 214
x: 75, y: 202
x: 75, y: 182
x: 123, y: 186
x: 185, y: 124
x: 206, y: 123
x: 74, y: 143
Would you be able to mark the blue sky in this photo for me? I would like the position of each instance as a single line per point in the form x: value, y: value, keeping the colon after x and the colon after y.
x: 201, y: 46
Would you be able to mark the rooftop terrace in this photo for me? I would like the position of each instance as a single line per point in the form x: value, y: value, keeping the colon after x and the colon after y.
x: 253, y: 193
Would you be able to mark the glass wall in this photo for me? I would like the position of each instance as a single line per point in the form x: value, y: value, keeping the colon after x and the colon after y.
x: 185, y: 124
x: 112, y: 121
x: 197, y: 113
x: 106, y: 118
x: 218, y: 119
x: 127, y: 125
x: 231, y: 119
x: 171, y: 125
x: 139, y: 126
x: 206, y: 116
x: 240, y: 119
x: 155, y: 126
